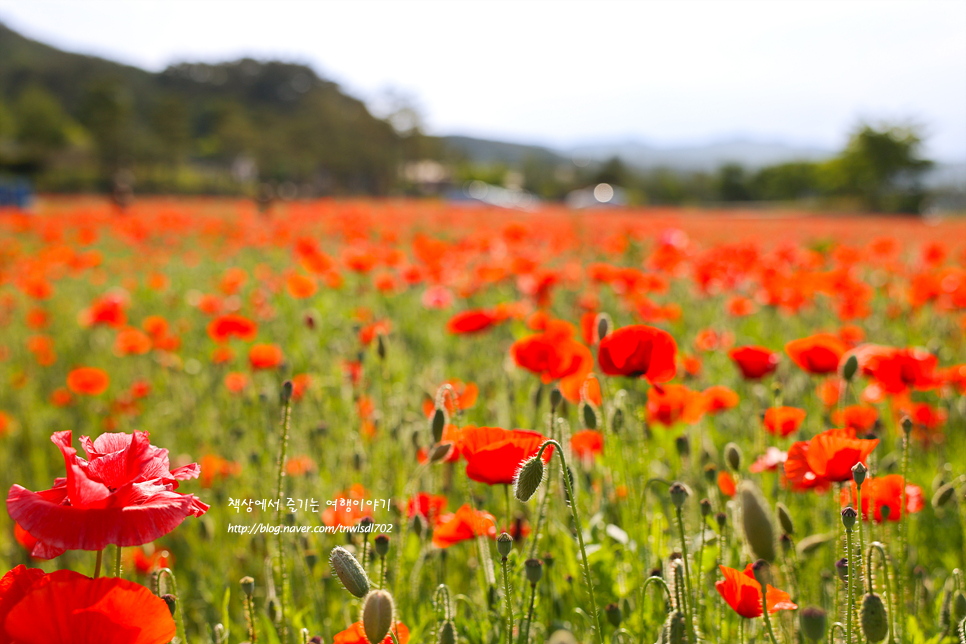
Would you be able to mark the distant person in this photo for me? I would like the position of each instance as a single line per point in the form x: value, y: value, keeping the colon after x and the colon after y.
x: 122, y: 189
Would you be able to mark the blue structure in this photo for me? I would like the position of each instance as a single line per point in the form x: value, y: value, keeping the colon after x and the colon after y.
x: 15, y: 192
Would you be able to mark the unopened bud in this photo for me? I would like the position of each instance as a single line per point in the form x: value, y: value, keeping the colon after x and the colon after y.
x: 785, y: 518
x: 438, y: 424
x: 906, y: 424
x: 381, y: 544
x: 943, y: 494
x: 377, y: 615
x: 850, y: 367
x: 614, y: 615
x: 603, y: 326
x: 682, y: 445
x: 848, y: 517
x: 529, y: 477
x: 813, y: 622
x: 555, y: 398
x: 705, y: 507
x: 710, y: 473
x: 171, y: 602
x: 590, y: 416
x: 441, y: 451
x: 381, y: 346
x: 350, y: 572
x: 504, y: 543
x: 247, y: 586
x: 287, y: 388
x: 842, y: 569
x: 534, y: 570
x: 447, y: 633
x: 732, y: 454
x: 757, y: 521
x: 858, y: 473
x: 679, y: 494
x: 874, y: 620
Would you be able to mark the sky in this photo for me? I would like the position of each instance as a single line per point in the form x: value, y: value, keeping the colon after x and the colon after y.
x: 564, y: 73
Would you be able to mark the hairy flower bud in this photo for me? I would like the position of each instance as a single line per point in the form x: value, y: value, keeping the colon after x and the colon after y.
x: 732, y: 454
x: 757, y: 522
x: 529, y: 477
x: 377, y: 615
x: 785, y: 518
x: 813, y: 622
x: 504, y: 543
x: 350, y: 572
x: 874, y: 620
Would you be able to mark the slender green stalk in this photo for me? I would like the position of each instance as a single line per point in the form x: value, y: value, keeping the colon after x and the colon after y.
x: 663, y: 584
x: 525, y: 635
x: 509, y: 607
x: 182, y: 633
x: 117, y: 561
x: 688, y: 612
x: 851, y: 573
x: 280, y: 561
x: 97, y: 564
x: 901, y: 563
x: 250, y: 618
x: 580, y: 535
x: 764, y: 613
x: 890, y: 599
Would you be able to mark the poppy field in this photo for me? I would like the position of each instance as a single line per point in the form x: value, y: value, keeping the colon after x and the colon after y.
x: 409, y: 421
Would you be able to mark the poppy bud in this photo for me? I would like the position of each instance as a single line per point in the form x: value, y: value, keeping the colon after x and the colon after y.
x: 614, y: 616
x: 590, y: 417
x: 504, y: 543
x: 943, y: 494
x: 813, y: 622
x: 617, y: 420
x: 529, y: 477
x: 534, y: 570
x: 848, y: 517
x: 842, y: 569
x: 885, y: 511
x: 710, y: 473
x: 247, y: 586
x: 381, y: 544
x: 447, y: 633
x: 757, y: 521
x: 350, y: 573
x: 705, y: 508
x: 674, y: 628
x: 287, y: 388
x: 875, y: 622
x: 441, y: 451
x: 785, y: 518
x: 721, y: 519
x: 377, y: 615
x: 732, y: 455
x: 786, y: 542
x: 555, y: 398
x: 381, y: 346
x: 906, y: 424
x: 603, y: 326
x: 858, y: 473
x: 438, y: 424
x: 548, y: 560
x: 171, y: 601
x: 761, y: 572
x: 682, y: 445
x: 850, y: 367
x: 679, y: 494
x: 418, y: 525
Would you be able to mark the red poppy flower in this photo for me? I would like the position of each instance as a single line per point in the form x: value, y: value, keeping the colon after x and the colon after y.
x: 300, y: 286
x: 299, y: 465
x: 65, y: 607
x: 586, y: 444
x: 369, y: 332
x: 754, y: 362
x: 123, y: 494
x: 673, y: 403
x: 215, y: 467
x: 859, y: 418
x: 638, y: 350
x: 470, y: 322
x: 743, y: 593
x: 462, y: 396
x: 107, y: 309
x: 466, y: 523
x: 553, y: 354
x: 493, y: 455
x: 347, y: 507
x: 5, y: 423
x: 885, y: 491
x: 428, y: 506
x: 827, y: 458
x: 265, y: 356
x: 782, y: 421
x: 147, y: 563
x: 905, y: 369
x: 356, y: 634
x: 131, y: 341
x: 223, y: 328
x: 718, y: 398
x: 236, y: 381
x: 817, y: 354
x: 89, y: 381
x: 726, y: 484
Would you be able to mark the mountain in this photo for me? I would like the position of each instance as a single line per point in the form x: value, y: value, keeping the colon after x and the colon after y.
x: 499, y: 152
x: 700, y: 158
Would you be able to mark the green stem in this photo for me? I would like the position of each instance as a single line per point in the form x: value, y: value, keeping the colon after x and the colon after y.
x: 97, y: 564
x: 509, y: 607
x: 280, y: 561
x: 182, y: 633
x: 580, y: 535
x: 764, y: 612
x: 663, y: 584
x: 688, y: 613
x: 901, y: 563
x: 117, y: 561
x: 851, y: 573
x: 525, y: 636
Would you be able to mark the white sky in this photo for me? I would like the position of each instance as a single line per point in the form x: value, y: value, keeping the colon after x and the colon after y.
x: 562, y: 73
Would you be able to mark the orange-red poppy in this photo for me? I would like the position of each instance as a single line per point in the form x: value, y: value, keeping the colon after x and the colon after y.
x: 356, y: 634
x: 300, y: 286
x: 671, y: 404
x: 586, y: 444
x: 462, y: 396
x: 230, y: 325
x: 905, y: 369
x: 885, y: 491
x: 553, y: 354
x: 742, y: 592
x: 493, y: 455
x: 754, y: 362
x: 265, y: 356
x: 470, y: 322
x: 860, y: 418
x: 718, y: 398
x: 131, y: 341
x: 783, y: 421
x: 817, y: 354
x: 89, y: 381
x: 726, y: 484
x: 465, y: 524
x: 428, y: 506
x: 638, y: 351
x: 826, y: 458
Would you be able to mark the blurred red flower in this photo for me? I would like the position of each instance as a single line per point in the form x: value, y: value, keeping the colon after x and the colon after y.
x: 493, y: 455
x: 754, y: 362
x: 638, y: 351
x: 743, y: 593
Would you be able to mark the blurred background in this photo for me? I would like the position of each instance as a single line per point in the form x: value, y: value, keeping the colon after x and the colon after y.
x: 848, y: 105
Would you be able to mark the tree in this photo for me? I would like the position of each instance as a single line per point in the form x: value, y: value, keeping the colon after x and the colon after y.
x: 106, y: 111
x: 881, y: 167
x: 732, y: 183
x: 42, y: 124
